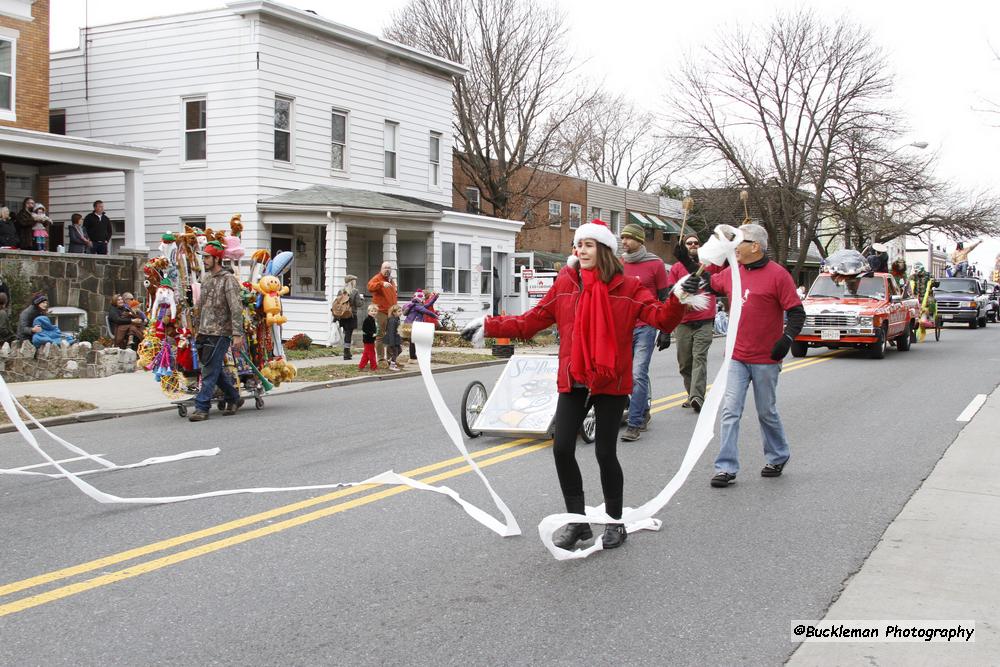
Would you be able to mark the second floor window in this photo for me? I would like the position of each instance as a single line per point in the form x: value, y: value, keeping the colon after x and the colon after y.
x: 338, y: 141
x: 555, y: 213
x: 575, y: 211
x: 389, y: 137
x: 283, y: 129
x: 195, y: 129
x: 7, y: 50
x: 435, y: 159
x: 472, y: 200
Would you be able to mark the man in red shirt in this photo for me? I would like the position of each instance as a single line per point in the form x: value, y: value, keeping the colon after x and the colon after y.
x: 694, y: 333
x: 763, y: 340
x: 649, y: 269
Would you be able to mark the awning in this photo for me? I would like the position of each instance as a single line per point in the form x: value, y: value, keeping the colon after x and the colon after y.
x: 667, y: 225
x: 640, y: 219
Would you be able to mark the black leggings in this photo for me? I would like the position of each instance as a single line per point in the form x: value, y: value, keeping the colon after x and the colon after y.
x: 570, y: 412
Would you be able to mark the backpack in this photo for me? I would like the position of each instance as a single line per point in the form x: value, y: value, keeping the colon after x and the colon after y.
x: 342, y: 306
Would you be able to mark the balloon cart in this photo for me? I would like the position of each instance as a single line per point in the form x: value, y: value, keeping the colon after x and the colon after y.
x: 173, y: 287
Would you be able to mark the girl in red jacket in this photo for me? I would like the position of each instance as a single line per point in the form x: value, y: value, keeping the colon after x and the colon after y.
x: 595, y: 307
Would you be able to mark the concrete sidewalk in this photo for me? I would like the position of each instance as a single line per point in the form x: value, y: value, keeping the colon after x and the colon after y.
x: 938, y: 560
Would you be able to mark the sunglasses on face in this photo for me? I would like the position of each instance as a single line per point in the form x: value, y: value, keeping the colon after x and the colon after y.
x: 691, y: 243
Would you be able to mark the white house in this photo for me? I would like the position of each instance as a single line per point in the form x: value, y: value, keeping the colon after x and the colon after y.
x: 332, y: 143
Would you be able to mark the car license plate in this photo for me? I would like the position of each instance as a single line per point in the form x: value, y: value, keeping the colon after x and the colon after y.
x: 947, y: 317
x: 828, y: 334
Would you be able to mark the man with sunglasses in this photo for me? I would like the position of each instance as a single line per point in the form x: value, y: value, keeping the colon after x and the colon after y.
x: 762, y: 341
x: 694, y: 333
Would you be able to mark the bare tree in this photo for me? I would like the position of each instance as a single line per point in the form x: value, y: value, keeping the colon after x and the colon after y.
x: 612, y: 142
x: 513, y: 100
x: 772, y: 105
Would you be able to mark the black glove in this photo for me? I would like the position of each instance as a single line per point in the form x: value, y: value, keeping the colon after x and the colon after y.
x: 691, y: 284
x: 780, y: 348
x: 662, y: 341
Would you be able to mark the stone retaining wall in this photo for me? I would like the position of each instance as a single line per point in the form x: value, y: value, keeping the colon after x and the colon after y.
x: 22, y: 362
x: 82, y: 281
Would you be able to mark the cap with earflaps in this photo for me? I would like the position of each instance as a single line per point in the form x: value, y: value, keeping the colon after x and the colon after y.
x: 634, y: 231
x: 39, y: 298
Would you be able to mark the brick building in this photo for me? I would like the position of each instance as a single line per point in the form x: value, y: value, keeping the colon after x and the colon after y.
x: 556, y: 204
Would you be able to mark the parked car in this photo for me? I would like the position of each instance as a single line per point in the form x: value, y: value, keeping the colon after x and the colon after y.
x: 866, y: 313
x: 993, y: 296
x: 962, y: 300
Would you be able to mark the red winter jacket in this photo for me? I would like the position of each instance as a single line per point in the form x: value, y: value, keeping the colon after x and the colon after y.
x: 629, y: 301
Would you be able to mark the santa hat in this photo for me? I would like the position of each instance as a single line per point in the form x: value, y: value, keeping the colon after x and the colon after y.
x: 596, y: 230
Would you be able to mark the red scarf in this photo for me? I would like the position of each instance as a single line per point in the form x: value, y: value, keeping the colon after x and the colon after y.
x: 595, y: 346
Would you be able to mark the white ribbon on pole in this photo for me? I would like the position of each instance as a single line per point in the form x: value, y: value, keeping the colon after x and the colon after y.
x: 716, y: 251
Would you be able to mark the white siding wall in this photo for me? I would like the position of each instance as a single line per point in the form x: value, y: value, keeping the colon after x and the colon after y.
x: 322, y: 75
x: 137, y: 74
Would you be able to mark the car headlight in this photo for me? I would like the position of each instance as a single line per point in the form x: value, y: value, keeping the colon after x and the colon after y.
x: 866, y: 320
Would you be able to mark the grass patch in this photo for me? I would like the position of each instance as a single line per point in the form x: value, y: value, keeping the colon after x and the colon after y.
x: 344, y: 371
x: 314, y: 352
x: 43, y: 406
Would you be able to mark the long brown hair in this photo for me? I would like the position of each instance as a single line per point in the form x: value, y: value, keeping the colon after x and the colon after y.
x: 608, y: 263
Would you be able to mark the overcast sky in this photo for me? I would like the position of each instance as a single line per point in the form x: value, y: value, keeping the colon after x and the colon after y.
x: 941, y: 53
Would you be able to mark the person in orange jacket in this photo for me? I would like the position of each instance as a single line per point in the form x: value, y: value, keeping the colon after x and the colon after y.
x: 382, y: 287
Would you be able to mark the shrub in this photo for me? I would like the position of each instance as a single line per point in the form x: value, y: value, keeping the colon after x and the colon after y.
x: 90, y: 334
x: 299, y: 342
x: 19, y: 288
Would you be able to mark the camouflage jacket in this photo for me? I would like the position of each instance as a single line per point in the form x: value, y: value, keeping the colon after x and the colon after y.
x: 220, y: 312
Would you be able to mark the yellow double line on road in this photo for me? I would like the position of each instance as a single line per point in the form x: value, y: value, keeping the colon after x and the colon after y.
x: 486, y: 457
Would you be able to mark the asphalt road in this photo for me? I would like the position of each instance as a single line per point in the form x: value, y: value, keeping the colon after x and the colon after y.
x: 391, y: 576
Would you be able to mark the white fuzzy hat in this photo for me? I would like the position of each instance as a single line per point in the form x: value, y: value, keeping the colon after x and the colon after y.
x: 596, y: 230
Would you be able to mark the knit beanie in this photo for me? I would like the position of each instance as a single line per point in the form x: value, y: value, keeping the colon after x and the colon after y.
x: 634, y: 231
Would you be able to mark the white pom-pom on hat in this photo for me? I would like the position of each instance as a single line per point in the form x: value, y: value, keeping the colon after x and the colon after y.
x: 597, y: 230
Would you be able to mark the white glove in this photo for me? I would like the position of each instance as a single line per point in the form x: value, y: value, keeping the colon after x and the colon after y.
x: 475, y: 331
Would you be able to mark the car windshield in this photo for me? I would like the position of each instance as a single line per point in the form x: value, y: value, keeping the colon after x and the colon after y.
x: 869, y: 287
x: 958, y: 285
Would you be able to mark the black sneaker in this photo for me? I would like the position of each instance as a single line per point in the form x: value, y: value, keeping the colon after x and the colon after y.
x: 696, y: 404
x: 723, y: 479
x: 772, y: 469
x: 686, y: 404
x: 571, y: 534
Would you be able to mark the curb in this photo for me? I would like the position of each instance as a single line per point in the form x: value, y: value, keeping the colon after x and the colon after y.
x: 100, y: 415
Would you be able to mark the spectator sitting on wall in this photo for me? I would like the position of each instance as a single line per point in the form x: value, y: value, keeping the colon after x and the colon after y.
x: 26, y: 327
x: 24, y: 220
x: 8, y: 232
x: 4, y: 315
x: 98, y: 228
x: 125, y: 325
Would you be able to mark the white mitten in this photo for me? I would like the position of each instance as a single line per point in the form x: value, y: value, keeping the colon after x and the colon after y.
x: 475, y: 331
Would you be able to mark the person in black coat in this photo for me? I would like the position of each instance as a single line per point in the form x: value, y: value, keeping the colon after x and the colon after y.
x: 98, y: 228
x: 8, y: 232
x: 24, y: 221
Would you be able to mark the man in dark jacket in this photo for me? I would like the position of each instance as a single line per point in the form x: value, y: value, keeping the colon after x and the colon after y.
x: 98, y: 228
x: 24, y: 221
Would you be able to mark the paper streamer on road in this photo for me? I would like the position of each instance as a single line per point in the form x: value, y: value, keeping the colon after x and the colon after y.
x: 423, y: 335
x: 716, y: 250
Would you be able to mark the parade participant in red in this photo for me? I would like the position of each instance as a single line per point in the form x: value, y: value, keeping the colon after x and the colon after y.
x: 595, y: 307
x: 772, y: 316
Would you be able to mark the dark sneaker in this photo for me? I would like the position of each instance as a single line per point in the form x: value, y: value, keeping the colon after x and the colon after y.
x: 723, y: 479
x: 772, y: 469
x: 231, y: 407
x: 198, y: 416
x: 696, y: 404
x: 646, y: 417
x: 632, y: 433
x: 614, y: 536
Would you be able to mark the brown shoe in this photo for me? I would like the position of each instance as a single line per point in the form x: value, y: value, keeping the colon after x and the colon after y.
x: 231, y: 407
x: 198, y: 416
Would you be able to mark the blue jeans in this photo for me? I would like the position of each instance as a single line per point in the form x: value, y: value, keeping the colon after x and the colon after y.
x: 765, y: 383
x: 643, y: 340
x: 211, y: 352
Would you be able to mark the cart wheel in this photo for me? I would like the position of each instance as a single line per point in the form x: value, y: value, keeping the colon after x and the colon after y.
x: 473, y: 401
x: 937, y: 328
x: 258, y: 402
x: 588, y: 426
x: 182, y: 411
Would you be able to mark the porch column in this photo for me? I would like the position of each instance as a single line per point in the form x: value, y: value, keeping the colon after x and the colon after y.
x: 432, y: 276
x: 389, y: 248
x: 135, y: 207
x: 336, y: 259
